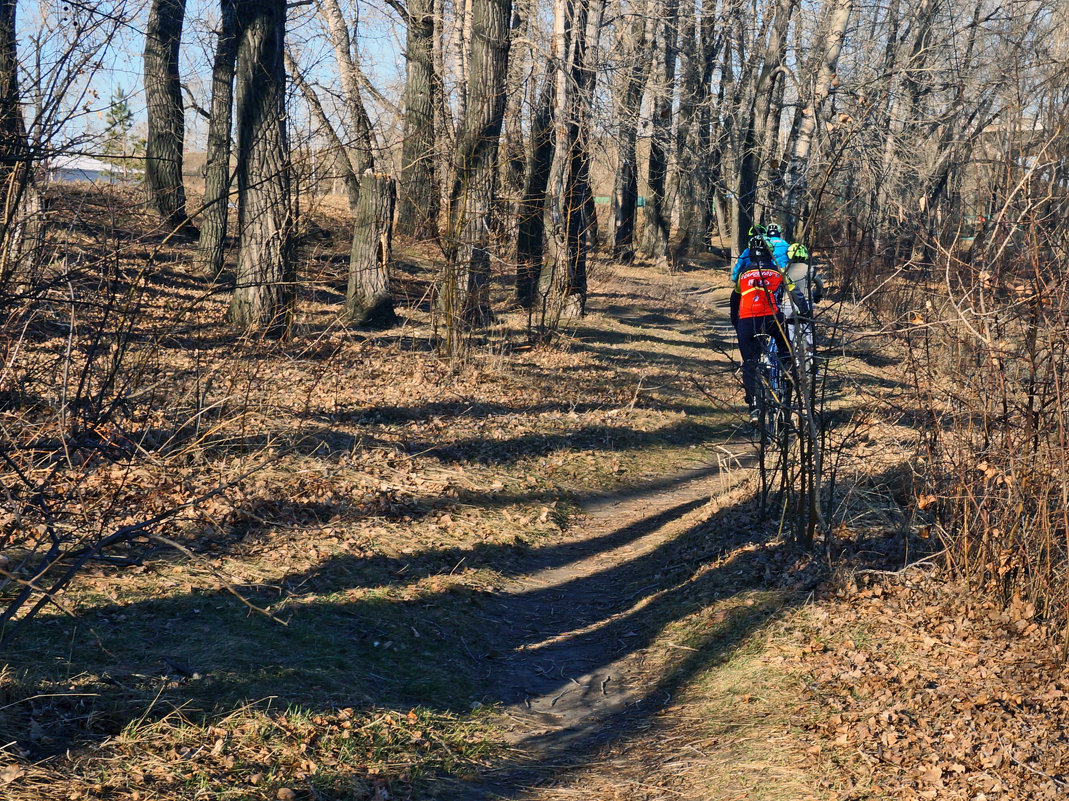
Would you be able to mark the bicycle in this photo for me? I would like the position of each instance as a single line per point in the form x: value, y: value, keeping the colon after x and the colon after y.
x: 771, y: 389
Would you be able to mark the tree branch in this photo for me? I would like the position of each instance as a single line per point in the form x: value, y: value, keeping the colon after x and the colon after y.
x: 193, y: 103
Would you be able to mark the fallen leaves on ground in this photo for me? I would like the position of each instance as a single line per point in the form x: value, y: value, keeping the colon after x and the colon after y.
x: 928, y: 691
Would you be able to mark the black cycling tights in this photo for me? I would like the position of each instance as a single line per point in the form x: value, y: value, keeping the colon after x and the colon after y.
x: 747, y: 329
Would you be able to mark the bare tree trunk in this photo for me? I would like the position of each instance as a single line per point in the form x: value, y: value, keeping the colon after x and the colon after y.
x: 445, y: 126
x: 266, y: 279
x: 464, y: 297
x: 211, y: 247
x: 166, y: 118
x: 417, y: 214
x: 462, y: 24
x: 561, y: 293
x: 655, y: 235
x: 521, y: 81
x: 798, y: 168
x: 635, y: 74
x: 368, y: 301
x: 754, y: 154
x: 531, y: 229
x: 20, y: 198
x: 707, y: 170
x: 684, y: 180
x: 360, y: 152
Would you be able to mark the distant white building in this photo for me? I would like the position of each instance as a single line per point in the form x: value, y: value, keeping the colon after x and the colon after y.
x: 75, y: 168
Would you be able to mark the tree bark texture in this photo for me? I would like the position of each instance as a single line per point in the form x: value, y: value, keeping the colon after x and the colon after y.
x: 797, y: 169
x: 20, y: 199
x: 562, y: 284
x: 635, y: 75
x: 265, y: 290
x: 464, y: 297
x: 368, y: 301
x: 213, y: 228
x: 417, y: 214
x: 531, y: 231
x: 655, y: 235
x: 165, y: 141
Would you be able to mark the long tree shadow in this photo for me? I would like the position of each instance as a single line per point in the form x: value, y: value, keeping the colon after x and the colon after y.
x: 441, y: 649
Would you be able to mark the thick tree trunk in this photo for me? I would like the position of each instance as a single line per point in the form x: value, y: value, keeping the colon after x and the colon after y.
x: 557, y: 280
x: 797, y: 169
x: 655, y: 235
x: 531, y: 230
x: 266, y: 279
x: 625, y: 189
x: 368, y: 301
x: 19, y: 192
x: 754, y: 155
x: 166, y: 117
x: 569, y: 203
x: 211, y: 247
x: 464, y: 297
x: 417, y: 214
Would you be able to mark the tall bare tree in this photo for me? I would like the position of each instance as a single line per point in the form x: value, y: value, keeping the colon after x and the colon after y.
x: 657, y: 223
x: 568, y: 212
x: 417, y: 213
x: 531, y: 223
x: 797, y: 169
x: 464, y: 298
x: 210, y: 248
x: 165, y: 142
x: 266, y: 277
x: 634, y: 74
x: 16, y: 159
x: 372, y: 196
x: 763, y: 118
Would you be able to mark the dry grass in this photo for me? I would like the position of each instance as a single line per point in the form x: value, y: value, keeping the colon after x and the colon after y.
x: 354, y: 488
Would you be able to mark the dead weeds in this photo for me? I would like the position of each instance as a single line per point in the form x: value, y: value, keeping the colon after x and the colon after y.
x: 374, y: 500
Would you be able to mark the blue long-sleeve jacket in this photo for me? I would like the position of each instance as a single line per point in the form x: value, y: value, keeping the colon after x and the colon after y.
x: 779, y: 254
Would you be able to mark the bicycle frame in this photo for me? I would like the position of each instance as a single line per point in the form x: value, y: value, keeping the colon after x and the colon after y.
x: 770, y: 383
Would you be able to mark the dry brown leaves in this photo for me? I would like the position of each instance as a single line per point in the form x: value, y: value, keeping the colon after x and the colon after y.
x: 928, y: 692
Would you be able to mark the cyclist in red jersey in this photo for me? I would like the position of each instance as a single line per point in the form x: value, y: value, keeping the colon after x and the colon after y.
x: 757, y: 308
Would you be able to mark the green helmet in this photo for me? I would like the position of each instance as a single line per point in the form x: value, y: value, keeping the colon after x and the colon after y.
x: 756, y: 230
x: 797, y: 252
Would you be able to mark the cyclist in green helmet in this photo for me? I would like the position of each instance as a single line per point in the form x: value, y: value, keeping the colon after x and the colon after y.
x: 804, y: 276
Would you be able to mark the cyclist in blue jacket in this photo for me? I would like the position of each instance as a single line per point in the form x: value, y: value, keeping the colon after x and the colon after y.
x: 757, y: 306
x: 772, y: 236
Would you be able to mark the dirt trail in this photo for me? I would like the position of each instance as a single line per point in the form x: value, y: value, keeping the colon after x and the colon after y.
x: 577, y: 679
x: 578, y: 675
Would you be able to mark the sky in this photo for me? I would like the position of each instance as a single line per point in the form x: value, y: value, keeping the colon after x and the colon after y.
x: 84, y: 51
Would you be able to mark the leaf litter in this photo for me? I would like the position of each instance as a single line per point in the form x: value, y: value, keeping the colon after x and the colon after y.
x: 389, y: 493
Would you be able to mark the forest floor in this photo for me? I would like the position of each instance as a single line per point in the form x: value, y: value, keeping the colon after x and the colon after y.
x: 539, y: 574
